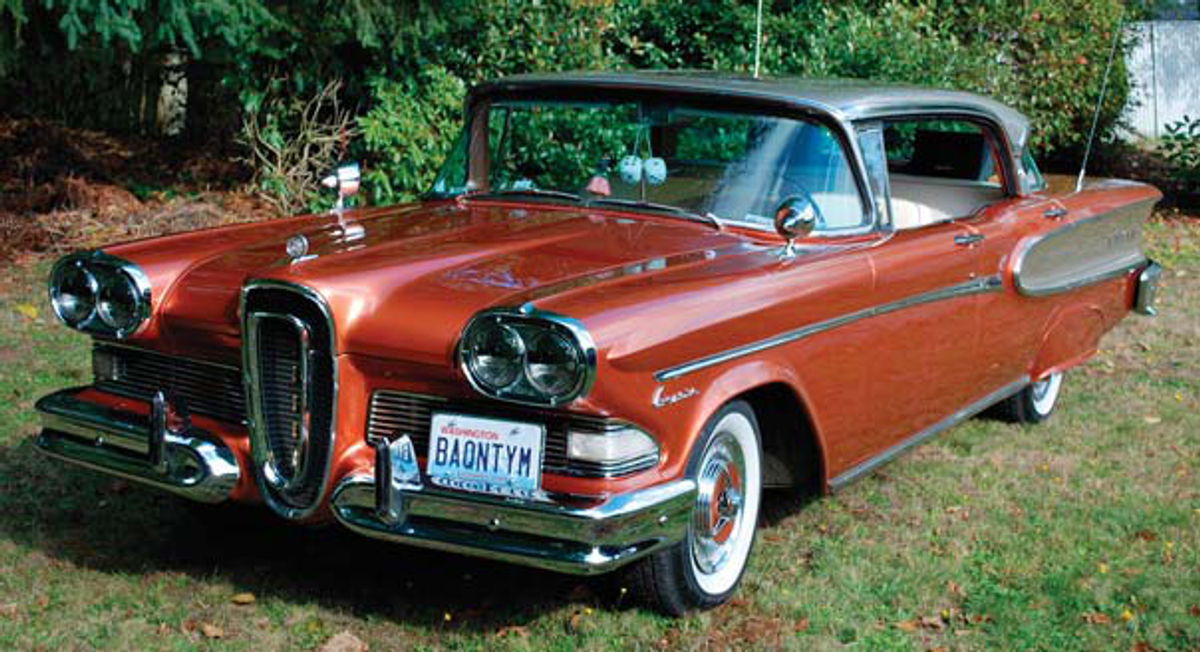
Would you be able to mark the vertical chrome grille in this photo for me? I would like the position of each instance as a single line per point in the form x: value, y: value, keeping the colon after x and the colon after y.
x: 291, y: 392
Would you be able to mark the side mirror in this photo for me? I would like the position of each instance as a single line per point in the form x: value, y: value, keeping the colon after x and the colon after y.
x: 345, y: 179
x: 796, y: 217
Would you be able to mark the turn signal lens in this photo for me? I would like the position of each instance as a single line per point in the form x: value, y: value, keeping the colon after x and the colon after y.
x: 610, y: 448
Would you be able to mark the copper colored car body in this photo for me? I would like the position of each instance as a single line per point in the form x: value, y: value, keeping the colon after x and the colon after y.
x: 847, y: 346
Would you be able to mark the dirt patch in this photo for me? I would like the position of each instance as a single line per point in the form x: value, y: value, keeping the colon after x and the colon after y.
x: 64, y: 189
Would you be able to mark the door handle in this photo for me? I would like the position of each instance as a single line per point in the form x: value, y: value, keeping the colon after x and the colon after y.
x: 968, y: 240
x: 1055, y: 213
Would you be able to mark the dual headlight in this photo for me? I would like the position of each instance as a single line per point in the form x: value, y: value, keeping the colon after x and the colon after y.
x: 528, y: 356
x: 99, y: 294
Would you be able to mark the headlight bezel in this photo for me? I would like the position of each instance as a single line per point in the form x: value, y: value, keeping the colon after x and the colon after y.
x: 105, y: 271
x: 528, y: 322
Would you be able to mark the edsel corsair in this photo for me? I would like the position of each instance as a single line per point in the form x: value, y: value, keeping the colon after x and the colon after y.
x: 628, y: 305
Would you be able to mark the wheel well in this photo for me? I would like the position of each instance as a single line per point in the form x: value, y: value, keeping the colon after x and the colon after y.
x: 791, y: 454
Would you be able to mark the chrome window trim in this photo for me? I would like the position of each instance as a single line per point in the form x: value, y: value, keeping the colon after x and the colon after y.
x: 529, y: 313
x: 1009, y: 159
x: 258, y: 444
x: 838, y: 123
x: 975, y: 286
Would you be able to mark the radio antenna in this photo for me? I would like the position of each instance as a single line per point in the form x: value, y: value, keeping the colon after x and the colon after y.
x: 758, y: 39
x: 1087, y: 151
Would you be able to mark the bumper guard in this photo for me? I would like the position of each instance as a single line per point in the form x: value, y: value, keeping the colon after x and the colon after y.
x: 185, y: 461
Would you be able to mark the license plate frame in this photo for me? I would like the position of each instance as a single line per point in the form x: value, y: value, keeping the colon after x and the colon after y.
x: 505, y: 455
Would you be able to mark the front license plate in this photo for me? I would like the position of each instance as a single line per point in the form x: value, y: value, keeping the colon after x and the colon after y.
x: 485, y: 455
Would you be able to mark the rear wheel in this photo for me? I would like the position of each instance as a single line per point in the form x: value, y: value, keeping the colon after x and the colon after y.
x: 1035, y: 403
x: 704, y: 569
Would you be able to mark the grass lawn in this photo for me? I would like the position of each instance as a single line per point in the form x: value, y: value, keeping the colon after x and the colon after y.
x: 1082, y: 533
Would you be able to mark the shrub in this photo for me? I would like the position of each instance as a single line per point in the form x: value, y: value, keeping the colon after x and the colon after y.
x: 411, y: 125
x: 1181, y: 147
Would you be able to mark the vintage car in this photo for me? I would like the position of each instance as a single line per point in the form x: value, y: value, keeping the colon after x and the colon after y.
x: 628, y: 305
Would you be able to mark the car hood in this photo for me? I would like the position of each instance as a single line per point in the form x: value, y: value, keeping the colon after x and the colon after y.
x: 402, y: 282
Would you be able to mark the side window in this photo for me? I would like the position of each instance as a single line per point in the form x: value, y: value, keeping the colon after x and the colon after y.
x: 939, y: 170
x: 1029, y: 169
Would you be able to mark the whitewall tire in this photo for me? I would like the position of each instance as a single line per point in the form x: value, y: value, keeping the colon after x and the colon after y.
x: 1035, y: 403
x: 704, y: 570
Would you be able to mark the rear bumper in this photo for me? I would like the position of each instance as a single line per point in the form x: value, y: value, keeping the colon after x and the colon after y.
x: 136, y: 447
x: 550, y: 535
x: 1146, y: 295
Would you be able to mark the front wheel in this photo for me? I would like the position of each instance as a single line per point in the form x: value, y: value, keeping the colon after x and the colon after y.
x: 704, y: 569
x: 1035, y: 403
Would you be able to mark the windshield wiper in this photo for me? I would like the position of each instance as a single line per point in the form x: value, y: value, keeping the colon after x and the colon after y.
x: 655, y: 206
x: 529, y: 192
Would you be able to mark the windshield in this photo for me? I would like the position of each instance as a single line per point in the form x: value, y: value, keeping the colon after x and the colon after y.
x: 735, y: 167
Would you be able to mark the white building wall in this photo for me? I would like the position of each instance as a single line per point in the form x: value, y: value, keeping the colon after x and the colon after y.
x: 1164, y: 75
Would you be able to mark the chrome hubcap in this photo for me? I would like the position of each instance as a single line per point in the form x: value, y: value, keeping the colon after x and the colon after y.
x: 718, y: 512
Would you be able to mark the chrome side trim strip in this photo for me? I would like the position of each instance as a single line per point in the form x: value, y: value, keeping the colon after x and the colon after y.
x: 862, y: 468
x: 974, y: 286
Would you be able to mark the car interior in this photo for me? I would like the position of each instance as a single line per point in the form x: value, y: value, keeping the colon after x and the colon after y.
x: 939, y: 171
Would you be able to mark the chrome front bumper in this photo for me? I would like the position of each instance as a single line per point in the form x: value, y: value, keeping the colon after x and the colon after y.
x: 137, y: 447
x: 550, y: 535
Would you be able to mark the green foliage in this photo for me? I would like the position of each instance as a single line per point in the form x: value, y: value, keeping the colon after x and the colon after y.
x: 1181, y: 147
x: 408, y: 130
x: 404, y: 66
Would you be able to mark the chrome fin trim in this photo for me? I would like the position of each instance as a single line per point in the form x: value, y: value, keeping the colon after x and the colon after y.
x: 975, y: 286
x: 1083, y: 252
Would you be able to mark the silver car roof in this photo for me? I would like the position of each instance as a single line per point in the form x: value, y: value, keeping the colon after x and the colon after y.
x: 847, y: 99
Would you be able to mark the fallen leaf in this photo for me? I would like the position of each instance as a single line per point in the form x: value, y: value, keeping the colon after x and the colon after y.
x: 1151, y: 419
x: 1095, y: 618
x: 1195, y: 611
x: 953, y: 588
x: 211, y: 631
x: 242, y: 598
x: 344, y: 641
x: 188, y: 625
x: 1142, y: 646
x: 1146, y: 535
x: 802, y: 625
x: 932, y: 622
x: 512, y: 630
x: 8, y: 609
x: 27, y: 310
x: 1102, y: 568
x: 908, y: 625
x: 1126, y: 615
